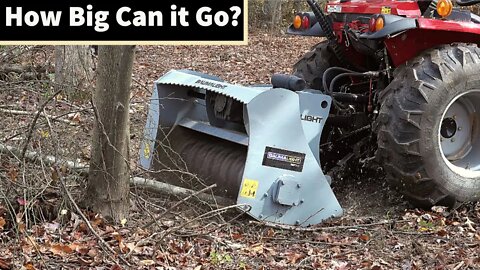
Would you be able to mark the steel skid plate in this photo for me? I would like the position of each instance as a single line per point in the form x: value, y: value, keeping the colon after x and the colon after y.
x: 282, y: 180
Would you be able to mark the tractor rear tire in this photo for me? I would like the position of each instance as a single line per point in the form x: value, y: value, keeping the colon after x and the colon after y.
x: 314, y: 63
x: 429, y: 127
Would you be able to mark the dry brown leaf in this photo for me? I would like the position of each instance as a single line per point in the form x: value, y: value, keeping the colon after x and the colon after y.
x: 4, y: 265
x: 293, y: 258
x: 29, y: 245
x: 236, y: 236
x: 270, y: 232
x: 117, y: 236
x: 109, y: 229
x: 324, y: 237
x: 2, y: 223
x: 364, y: 237
x: 80, y: 248
x: 116, y: 267
x: 12, y: 174
x: 92, y: 253
x: 82, y: 227
x: 442, y: 233
x: 365, y: 264
x: 130, y: 246
x: 60, y: 249
x: 29, y: 266
x: 98, y: 221
x: 55, y: 175
x: 176, y: 248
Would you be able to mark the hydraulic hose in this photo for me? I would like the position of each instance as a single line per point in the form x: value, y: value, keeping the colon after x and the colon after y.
x: 327, y: 72
x: 327, y: 29
x: 353, y: 74
x: 339, y: 76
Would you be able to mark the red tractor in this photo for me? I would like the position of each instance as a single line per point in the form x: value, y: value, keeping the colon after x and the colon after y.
x: 405, y: 81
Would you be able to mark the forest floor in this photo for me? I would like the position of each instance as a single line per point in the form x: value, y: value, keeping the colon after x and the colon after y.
x: 40, y: 227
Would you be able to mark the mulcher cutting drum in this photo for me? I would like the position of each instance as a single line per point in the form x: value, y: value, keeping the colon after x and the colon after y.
x: 260, y: 145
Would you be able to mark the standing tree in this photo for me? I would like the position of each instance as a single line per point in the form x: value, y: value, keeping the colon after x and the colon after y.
x: 73, y: 67
x: 108, y: 182
x: 273, y: 12
x: 297, y: 5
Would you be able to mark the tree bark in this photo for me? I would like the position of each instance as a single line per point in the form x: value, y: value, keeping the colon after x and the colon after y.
x: 273, y: 12
x: 73, y: 67
x: 297, y: 5
x: 109, y: 173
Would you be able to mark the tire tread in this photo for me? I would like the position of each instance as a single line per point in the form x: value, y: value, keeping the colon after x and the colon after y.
x: 398, y: 127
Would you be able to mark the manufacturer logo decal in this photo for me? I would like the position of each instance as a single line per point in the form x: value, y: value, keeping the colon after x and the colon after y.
x: 386, y: 10
x: 283, y: 159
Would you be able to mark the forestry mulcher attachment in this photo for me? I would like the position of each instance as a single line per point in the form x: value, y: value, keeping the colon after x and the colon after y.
x: 395, y: 83
x: 250, y: 141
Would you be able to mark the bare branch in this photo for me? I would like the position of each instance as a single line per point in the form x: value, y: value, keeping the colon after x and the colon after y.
x: 34, y: 122
x: 54, y: 118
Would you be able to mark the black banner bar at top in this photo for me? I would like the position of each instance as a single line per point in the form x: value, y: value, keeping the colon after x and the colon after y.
x: 123, y: 21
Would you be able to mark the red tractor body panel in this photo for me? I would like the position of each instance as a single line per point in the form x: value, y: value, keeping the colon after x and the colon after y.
x: 405, y: 45
x: 450, y: 26
x: 402, y: 44
x: 430, y: 33
x: 411, y: 43
x: 402, y: 8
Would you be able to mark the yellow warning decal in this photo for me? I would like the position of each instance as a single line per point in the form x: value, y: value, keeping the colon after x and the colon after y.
x: 146, y: 150
x: 386, y: 10
x: 249, y: 188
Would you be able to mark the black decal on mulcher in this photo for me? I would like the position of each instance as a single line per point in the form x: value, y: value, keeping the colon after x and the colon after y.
x: 283, y: 159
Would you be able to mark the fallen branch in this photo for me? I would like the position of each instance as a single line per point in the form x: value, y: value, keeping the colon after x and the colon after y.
x: 161, y: 187
x: 459, y: 265
x: 33, y: 156
x: 25, y: 72
x: 19, y: 69
x: 54, y: 118
x: 148, y: 184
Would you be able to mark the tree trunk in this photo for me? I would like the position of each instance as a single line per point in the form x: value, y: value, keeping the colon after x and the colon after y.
x: 273, y: 12
x: 109, y: 173
x: 73, y: 68
x: 297, y: 6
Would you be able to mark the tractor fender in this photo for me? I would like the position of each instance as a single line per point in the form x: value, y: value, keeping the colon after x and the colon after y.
x: 315, y: 31
x: 393, y: 24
